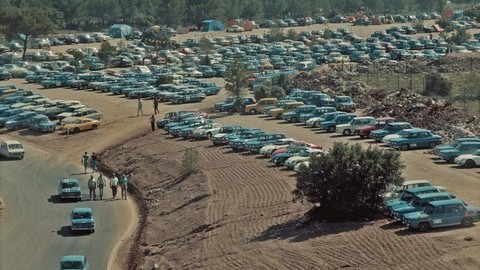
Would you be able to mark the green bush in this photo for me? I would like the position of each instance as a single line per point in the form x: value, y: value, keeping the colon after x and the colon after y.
x: 460, y: 36
x: 436, y: 85
x: 347, y: 183
x: 190, y: 162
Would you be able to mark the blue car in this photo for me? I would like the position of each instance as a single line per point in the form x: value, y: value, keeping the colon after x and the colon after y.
x: 41, y: 123
x: 418, y: 203
x: 227, y: 134
x: 82, y: 219
x: 9, y: 115
x: 442, y: 214
x: 69, y: 189
x: 415, y: 138
x: 293, y: 117
x: 20, y: 121
x: 408, y: 195
x: 331, y: 126
x: 77, y: 262
x: 454, y: 144
x: 463, y: 148
x: 239, y: 143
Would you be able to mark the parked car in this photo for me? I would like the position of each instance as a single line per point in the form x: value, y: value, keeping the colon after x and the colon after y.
x: 90, y: 113
x: 331, y: 126
x: 70, y: 262
x: 41, y: 123
x: 295, y: 115
x: 469, y: 160
x: 389, y: 128
x: 419, y: 203
x: 238, y: 144
x: 463, y: 148
x: 395, y: 191
x: 380, y: 123
x: 441, y: 214
x: 235, y: 29
x: 226, y: 134
x: 20, y: 121
x: 260, y: 105
x: 81, y: 124
x: 69, y: 189
x: 408, y: 195
x: 287, y: 107
x: 264, y: 139
x: 416, y: 138
x: 344, y: 103
x: 82, y: 219
x: 349, y: 128
x: 454, y: 144
x: 207, y: 131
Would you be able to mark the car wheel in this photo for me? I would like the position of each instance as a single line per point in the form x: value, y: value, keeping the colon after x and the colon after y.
x: 92, y: 231
x: 180, y: 101
x: 76, y: 130
x: 209, y: 136
x: 314, y: 125
x: 470, y: 163
x: 423, y: 227
x: 253, y: 111
x: 331, y: 129
x: 347, y: 132
x: 467, y: 222
x: 404, y: 147
x: 432, y: 145
x: 279, y: 116
x: 451, y: 160
x: 294, y: 120
x: 362, y: 136
x: 94, y: 127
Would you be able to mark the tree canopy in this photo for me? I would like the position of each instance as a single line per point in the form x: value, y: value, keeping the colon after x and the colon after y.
x: 236, y: 78
x: 347, y: 183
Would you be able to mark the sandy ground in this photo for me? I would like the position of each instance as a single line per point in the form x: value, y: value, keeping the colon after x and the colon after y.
x: 238, y: 212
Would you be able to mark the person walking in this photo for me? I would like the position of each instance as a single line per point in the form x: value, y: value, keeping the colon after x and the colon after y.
x: 85, y: 161
x: 155, y: 105
x: 92, y: 187
x: 139, y: 106
x: 94, y: 161
x: 123, y: 186
x: 114, y: 185
x: 101, y: 184
x: 152, y: 122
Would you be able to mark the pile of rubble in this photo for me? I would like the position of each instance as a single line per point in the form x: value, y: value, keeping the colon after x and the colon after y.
x: 406, y: 105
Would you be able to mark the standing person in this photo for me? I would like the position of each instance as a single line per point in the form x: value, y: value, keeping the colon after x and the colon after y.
x: 94, y: 161
x: 92, y: 187
x: 85, y: 161
x: 139, y: 106
x: 155, y: 106
x: 101, y: 184
x: 152, y: 122
x: 124, y: 185
x: 114, y: 185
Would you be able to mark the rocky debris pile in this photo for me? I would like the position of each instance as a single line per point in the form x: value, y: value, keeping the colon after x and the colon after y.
x: 448, y: 64
x: 406, y: 105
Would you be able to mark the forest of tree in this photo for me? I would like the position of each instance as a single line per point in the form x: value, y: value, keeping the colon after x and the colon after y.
x: 98, y: 14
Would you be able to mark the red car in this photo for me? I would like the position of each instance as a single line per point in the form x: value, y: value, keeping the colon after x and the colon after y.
x: 365, y: 130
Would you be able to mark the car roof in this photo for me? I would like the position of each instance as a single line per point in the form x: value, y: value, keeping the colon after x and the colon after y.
x: 397, y: 123
x: 11, y: 142
x: 470, y: 143
x: 272, y: 133
x: 67, y: 258
x: 66, y: 180
x: 468, y: 139
x: 446, y: 202
x: 413, y: 182
x: 82, y: 210
x: 433, y: 195
x: 364, y: 117
x: 420, y: 189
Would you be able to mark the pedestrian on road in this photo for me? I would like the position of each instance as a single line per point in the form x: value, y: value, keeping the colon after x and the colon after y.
x: 114, y: 185
x: 94, y: 161
x: 123, y: 186
x: 85, y: 161
x: 92, y: 187
x: 139, y: 106
x: 152, y: 122
x: 155, y: 106
x: 101, y: 184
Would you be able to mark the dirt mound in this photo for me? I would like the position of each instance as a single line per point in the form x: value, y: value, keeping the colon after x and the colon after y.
x: 406, y: 105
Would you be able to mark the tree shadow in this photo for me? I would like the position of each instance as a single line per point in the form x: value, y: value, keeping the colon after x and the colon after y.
x: 289, y: 231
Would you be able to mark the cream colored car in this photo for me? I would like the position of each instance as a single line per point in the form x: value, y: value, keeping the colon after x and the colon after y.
x: 76, y: 125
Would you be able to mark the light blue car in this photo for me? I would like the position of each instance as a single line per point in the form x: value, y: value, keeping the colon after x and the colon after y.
x: 82, y: 220
x: 74, y: 262
x: 442, y: 214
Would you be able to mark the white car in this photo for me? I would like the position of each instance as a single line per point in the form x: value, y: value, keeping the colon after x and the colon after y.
x: 235, y: 29
x: 192, y: 72
x: 291, y: 162
x: 207, y: 131
x: 11, y: 149
x: 267, y: 150
x: 312, y: 122
x: 387, y: 138
x: 469, y: 160
x: 347, y: 129
x: 297, y: 167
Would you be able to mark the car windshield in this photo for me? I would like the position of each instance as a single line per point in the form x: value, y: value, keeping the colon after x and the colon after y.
x: 406, y: 135
x: 416, y: 202
x: 69, y: 185
x: 344, y: 99
x: 15, y: 146
x: 429, y: 209
x: 73, y: 265
x: 407, y: 196
x: 388, y: 127
x: 246, y: 136
x: 82, y: 215
x: 226, y: 130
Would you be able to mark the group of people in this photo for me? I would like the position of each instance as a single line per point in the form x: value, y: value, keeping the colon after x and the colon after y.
x: 155, y: 111
x: 101, y: 182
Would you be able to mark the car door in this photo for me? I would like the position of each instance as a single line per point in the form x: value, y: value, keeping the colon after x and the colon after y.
x: 438, y: 217
x: 454, y: 214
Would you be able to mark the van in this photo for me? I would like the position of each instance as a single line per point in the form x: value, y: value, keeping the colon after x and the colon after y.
x: 11, y: 149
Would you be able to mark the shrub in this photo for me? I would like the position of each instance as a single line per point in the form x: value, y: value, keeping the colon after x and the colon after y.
x: 435, y: 84
x: 190, y: 162
x: 460, y: 36
x: 347, y: 183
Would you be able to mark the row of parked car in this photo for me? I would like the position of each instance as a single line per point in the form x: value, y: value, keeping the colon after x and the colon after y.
x: 21, y: 109
x: 416, y: 203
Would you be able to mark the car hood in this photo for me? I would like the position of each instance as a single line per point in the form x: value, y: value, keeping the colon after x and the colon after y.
x: 405, y: 209
x: 449, y: 151
x: 444, y: 147
x: 416, y: 215
x: 467, y: 156
x: 290, y: 113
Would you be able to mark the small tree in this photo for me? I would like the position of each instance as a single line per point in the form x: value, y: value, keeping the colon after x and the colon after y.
x: 435, y: 84
x: 157, y: 37
x: 347, y: 183
x: 460, y: 36
x: 277, y: 92
x: 79, y: 57
x: 190, y: 162
x: 263, y: 91
x: 164, y: 79
x: 236, y: 77
x: 276, y: 34
x: 292, y: 34
x: 106, y: 51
